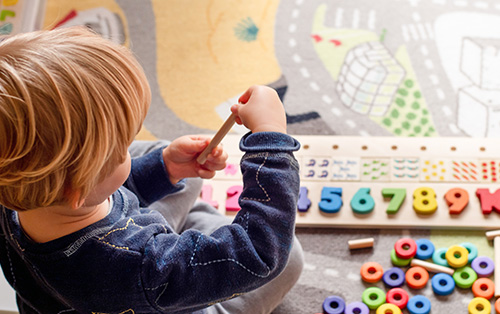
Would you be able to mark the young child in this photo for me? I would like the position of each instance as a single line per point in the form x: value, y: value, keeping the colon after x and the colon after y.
x: 86, y: 229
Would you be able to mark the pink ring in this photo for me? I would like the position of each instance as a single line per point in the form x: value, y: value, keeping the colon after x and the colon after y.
x: 405, y: 248
x: 398, y: 297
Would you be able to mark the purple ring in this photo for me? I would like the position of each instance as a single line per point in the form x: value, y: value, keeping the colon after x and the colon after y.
x: 483, y: 266
x: 357, y: 308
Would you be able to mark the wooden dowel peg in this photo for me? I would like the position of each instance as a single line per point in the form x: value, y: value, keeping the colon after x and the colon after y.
x: 361, y: 243
x: 224, y: 129
x: 496, y: 245
x: 434, y: 268
x: 490, y: 235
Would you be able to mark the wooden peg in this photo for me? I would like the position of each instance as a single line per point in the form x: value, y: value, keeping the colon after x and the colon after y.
x: 496, y: 245
x: 228, y: 124
x: 361, y: 243
x: 432, y: 267
x: 490, y: 235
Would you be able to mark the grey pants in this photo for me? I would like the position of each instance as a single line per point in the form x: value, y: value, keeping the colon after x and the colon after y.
x: 184, y: 211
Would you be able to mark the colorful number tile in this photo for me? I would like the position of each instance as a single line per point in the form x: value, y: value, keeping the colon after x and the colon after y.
x: 434, y: 170
x: 375, y: 169
x: 489, y: 170
x: 405, y: 169
x: 316, y: 168
x: 345, y: 169
x: 465, y: 170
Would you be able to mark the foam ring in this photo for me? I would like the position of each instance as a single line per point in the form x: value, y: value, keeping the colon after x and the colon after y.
x: 333, y: 305
x: 417, y: 277
x: 397, y: 261
x: 394, y: 277
x: 419, y: 305
x: 483, y: 288
x: 443, y: 284
x: 405, y: 248
x: 425, y: 249
x: 479, y: 306
x: 373, y: 297
x: 357, y: 308
x: 439, y: 257
x: 472, y: 249
x: 398, y: 297
x: 371, y: 272
x: 464, y: 277
x: 388, y: 308
x: 483, y: 266
x: 457, y: 256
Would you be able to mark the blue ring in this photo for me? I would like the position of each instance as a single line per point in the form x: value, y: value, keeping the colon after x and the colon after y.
x: 418, y: 305
x: 394, y: 277
x: 439, y: 257
x: 472, y: 249
x: 425, y: 249
x: 333, y: 305
x: 443, y: 284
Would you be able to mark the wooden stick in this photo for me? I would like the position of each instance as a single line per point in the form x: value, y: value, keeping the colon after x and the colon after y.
x: 360, y: 243
x: 435, y: 268
x: 490, y: 235
x: 496, y: 245
x: 228, y: 124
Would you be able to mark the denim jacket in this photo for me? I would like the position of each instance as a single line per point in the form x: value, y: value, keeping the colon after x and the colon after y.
x: 132, y: 262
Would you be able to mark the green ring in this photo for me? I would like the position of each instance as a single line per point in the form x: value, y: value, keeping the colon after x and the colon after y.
x: 373, y: 297
x: 462, y: 282
x: 397, y: 261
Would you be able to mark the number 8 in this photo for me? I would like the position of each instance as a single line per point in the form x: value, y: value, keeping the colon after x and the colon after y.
x: 424, y: 202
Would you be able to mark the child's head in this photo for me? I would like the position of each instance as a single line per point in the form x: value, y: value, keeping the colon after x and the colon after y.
x: 71, y: 103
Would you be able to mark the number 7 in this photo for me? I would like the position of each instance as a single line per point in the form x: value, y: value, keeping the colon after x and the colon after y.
x: 397, y: 198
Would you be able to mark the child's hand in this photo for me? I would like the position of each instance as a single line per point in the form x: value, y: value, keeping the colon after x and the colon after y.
x: 180, y: 158
x: 262, y: 110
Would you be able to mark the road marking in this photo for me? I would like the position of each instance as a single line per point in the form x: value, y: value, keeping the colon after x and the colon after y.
x: 355, y: 19
x: 372, y: 15
x: 434, y: 79
x: 338, y: 17
x: 447, y: 111
x: 350, y: 123
x: 305, y: 72
x: 314, y: 86
x: 429, y: 64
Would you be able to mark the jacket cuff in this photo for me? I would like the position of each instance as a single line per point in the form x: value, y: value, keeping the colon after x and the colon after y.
x: 268, y: 141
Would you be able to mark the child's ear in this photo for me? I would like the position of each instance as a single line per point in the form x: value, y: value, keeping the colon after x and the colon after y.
x: 75, y: 200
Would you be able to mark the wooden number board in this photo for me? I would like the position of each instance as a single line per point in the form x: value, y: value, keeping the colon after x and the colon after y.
x: 383, y: 182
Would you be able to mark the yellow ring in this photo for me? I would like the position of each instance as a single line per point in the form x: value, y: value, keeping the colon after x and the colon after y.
x: 481, y: 303
x: 457, y: 256
x: 388, y: 308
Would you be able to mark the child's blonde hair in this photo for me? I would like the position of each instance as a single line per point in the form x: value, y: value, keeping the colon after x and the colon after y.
x: 71, y: 103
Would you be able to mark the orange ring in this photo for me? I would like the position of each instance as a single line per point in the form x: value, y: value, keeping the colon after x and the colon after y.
x: 371, y: 272
x: 497, y: 306
x: 416, y: 277
x: 484, y: 288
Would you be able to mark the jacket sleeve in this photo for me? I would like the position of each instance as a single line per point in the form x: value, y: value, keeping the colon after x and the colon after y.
x: 149, y: 179
x: 193, y: 270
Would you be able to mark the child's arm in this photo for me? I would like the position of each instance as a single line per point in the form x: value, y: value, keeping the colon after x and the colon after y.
x: 192, y: 270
